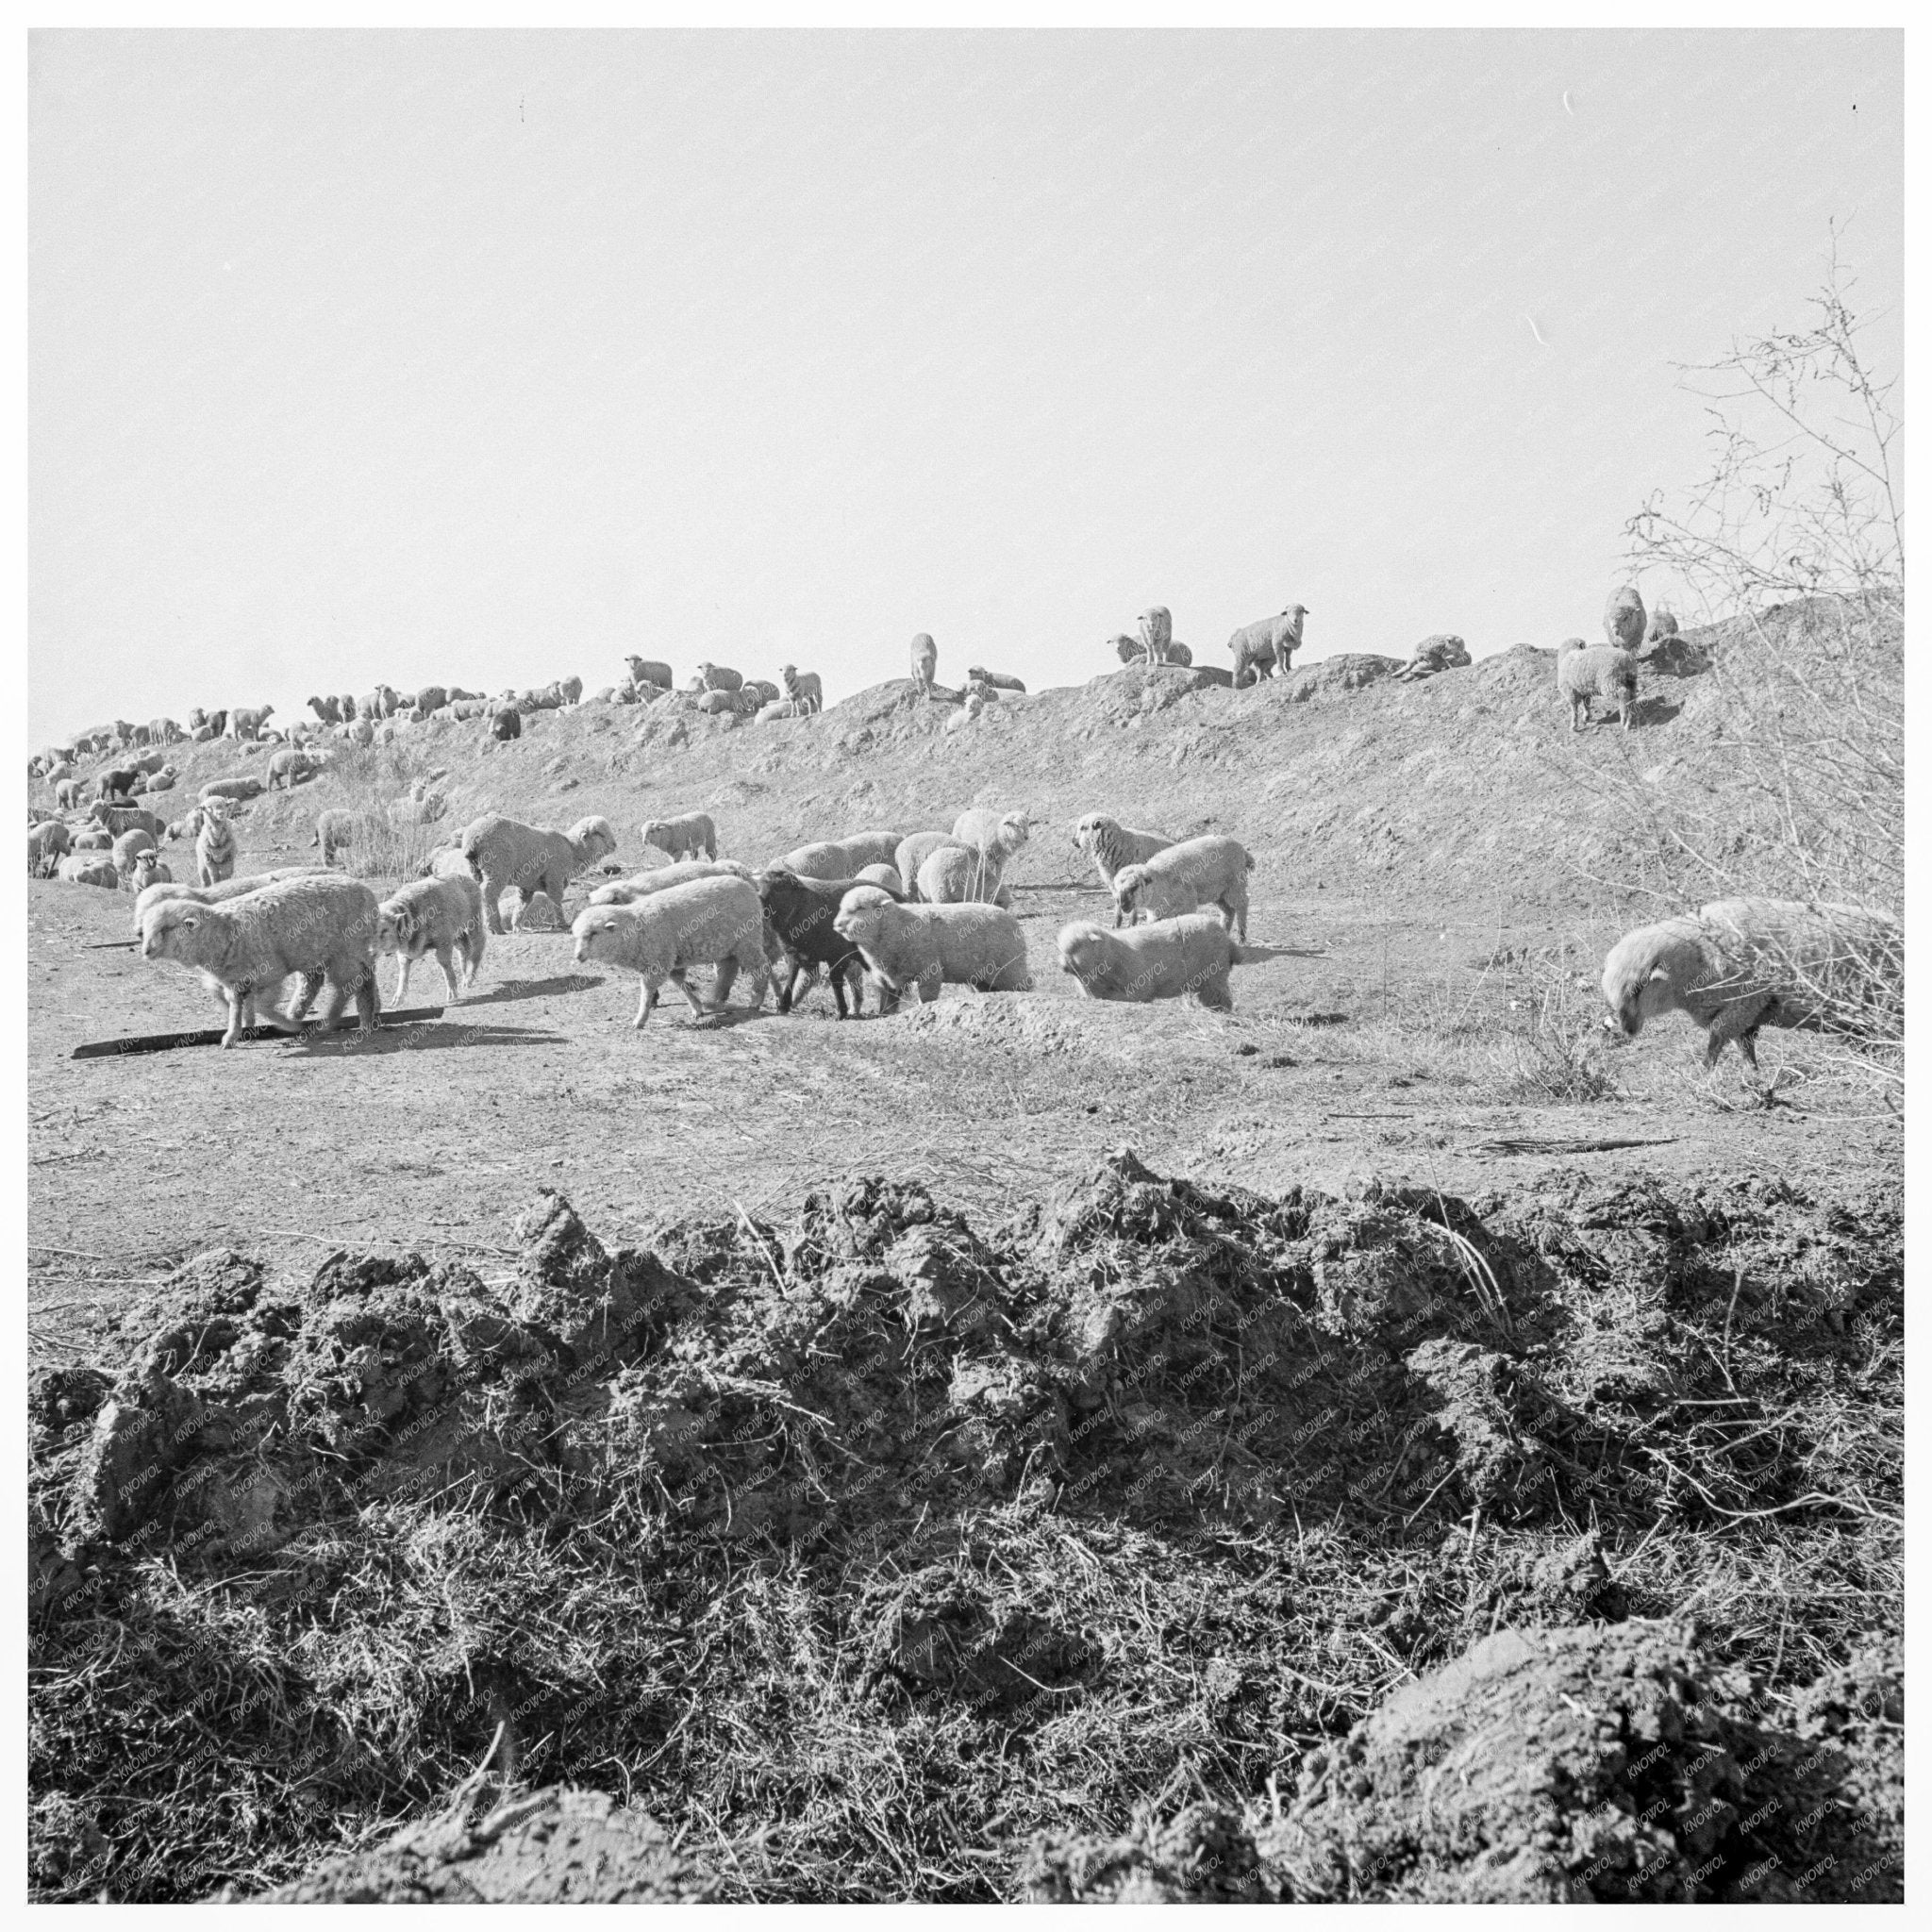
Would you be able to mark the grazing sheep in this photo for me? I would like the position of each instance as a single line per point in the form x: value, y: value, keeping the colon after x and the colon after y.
x: 321, y: 926
x: 799, y: 915
x: 886, y: 877
x: 1110, y: 846
x: 241, y: 790
x: 505, y: 723
x: 214, y: 846
x: 806, y: 688
x: 149, y: 870
x: 329, y: 709
x: 89, y: 869
x: 1206, y: 871
x: 717, y: 921
x: 1166, y: 960
x: 841, y: 858
x: 1738, y: 964
x: 444, y: 916
x: 116, y: 819
x: 641, y: 885
x: 720, y: 677
x: 926, y: 661
x: 928, y: 947
x: 46, y: 843
x: 693, y: 833
x: 1664, y: 624
x: 335, y: 831
x: 127, y: 848
x: 995, y: 680
x: 1588, y: 670
x: 912, y: 851
x: 1623, y: 619
x: 1439, y: 652
x: 291, y: 768
x: 501, y: 852
x: 118, y: 783
x: 246, y: 721
x: 1259, y: 648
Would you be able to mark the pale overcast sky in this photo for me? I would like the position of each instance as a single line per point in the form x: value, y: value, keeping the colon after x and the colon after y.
x: 485, y: 359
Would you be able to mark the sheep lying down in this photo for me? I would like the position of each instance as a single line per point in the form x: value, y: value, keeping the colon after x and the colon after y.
x: 711, y: 922
x: 1169, y: 959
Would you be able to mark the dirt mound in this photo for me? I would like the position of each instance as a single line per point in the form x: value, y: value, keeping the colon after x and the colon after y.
x: 1562, y: 1765
x: 556, y: 1847
x: 1153, y: 1473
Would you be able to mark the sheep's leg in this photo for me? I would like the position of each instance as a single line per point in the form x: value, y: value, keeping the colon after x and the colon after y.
x: 368, y: 1003
x: 838, y: 977
x: 493, y: 903
x: 723, y: 979
x: 683, y: 985
x: 238, y: 1007
x: 646, y: 1000
x: 929, y: 983
x: 446, y: 958
x: 311, y: 985
x: 788, y: 992
x: 404, y: 961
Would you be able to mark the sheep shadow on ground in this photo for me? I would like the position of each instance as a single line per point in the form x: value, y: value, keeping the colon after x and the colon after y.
x: 1255, y: 954
x: 423, y: 1036
x: 1646, y: 714
x: 533, y: 988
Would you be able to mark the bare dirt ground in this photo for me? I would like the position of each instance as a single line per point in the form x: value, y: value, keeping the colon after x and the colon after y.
x: 1450, y: 1457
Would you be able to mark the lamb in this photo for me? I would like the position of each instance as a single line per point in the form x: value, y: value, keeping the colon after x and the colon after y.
x: 1588, y: 670
x: 320, y: 925
x: 1110, y: 846
x: 1738, y: 964
x: 841, y: 858
x: 444, y: 916
x: 1623, y: 619
x: 149, y: 870
x: 926, y: 661
x: 247, y: 720
x: 1206, y: 871
x: 1259, y: 648
x: 641, y: 885
x: 335, y: 831
x: 719, y: 921
x: 291, y: 768
x: 693, y: 833
x: 928, y: 947
x: 214, y: 846
x: 162, y: 780
x: 799, y: 916
x: 89, y: 869
x: 720, y: 677
x: 912, y: 851
x: 996, y: 680
x: 804, y: 688
x: 971, y: 709
x: 502, y: 852
x: 127, y: 848
x: 1169, y: 959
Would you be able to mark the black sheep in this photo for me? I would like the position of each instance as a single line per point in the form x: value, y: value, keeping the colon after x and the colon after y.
x: 798, y: 915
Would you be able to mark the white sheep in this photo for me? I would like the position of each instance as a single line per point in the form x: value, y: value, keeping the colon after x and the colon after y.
x: 321, y: 926
x: 444, y: 916
x: 717, y: 920
x: 912, y: 851
x: 89, y: 869
x: 956, y: 874
x: 46, y: 843
x: 1110, y: 846
x: 1588, y: 670
x: 1259, y: 648
x: 841, y: 858
x: 149, y: 870
x: 964, y: 716
x: 1738, y: 964
x: 693, y: 833
x: 928, y: 947
x: 215, y: 895
x: 335, y: 831
x: 1197, y: 871
x: 780, y: 709
x: 720, y: 677
x: 1624, y: 619
x: 1664, y: 624
x: 641, y: 885
x: 128, y: 847
x: 501, y: 852
x: 803, y: 687
x: 926, y: 661
x: 995, y: 680
x: 885, y: 876
x: 214, y: 843
x: 981, y: 827
x: 1172, y: 959
x: 649, y: 671
x: 1441, y: 651
x: 1157, y: 632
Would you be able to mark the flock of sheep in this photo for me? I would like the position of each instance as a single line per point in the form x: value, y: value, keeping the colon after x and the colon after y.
x: 895, y: 911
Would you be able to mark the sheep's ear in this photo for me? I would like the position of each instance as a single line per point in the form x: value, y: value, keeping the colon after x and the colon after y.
x: 1657, y: 972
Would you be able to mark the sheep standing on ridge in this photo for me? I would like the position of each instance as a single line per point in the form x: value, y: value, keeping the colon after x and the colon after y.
x: 1623, y: 619
x: 1172, y: 958
x: 1259, y: 648
x: 1739, y: 964
x: 247, y: 720
x: 931, y: 946
x: 926, y: 661
x: 803, y: 687
x: 502, y: 852
x: 720, y: 677
x: 444, y: 916
x: 1206, y: 871
x: 649, y: 671
x: 1588, y: 670
x: 693, y: 833
x: 1110, y: 846
x: 321, y: 927
x: 716, y: 922
x: 1157, y: 632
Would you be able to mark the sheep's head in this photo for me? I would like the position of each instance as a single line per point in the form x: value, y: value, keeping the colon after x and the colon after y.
x: 174, y: 929
x: 595, y: 929
x: 1083, y: 946
x: 593, y: 838
x: 861, y: 914
x: 395, y: 926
